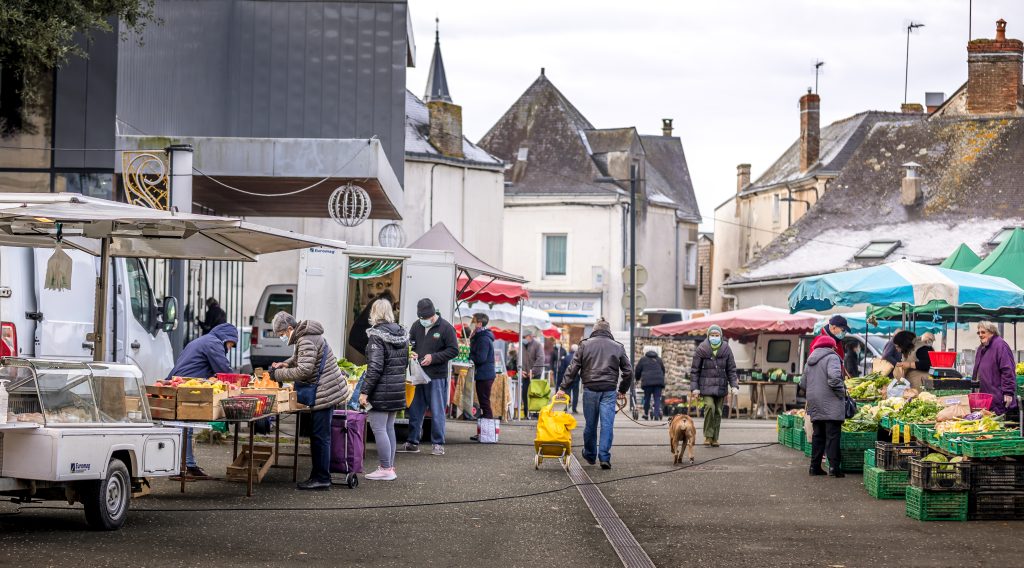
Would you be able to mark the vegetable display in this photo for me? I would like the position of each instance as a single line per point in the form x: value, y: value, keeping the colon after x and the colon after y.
x: 1020, y: 369
x: 868, y: 387
x: 918, y: 411
x: 985, y: 423
x: 351, y: 369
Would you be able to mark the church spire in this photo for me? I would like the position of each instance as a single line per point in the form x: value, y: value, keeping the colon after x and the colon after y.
x: 437, y: 81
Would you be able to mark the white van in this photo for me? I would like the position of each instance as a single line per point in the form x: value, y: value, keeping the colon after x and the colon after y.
x: 40, y: 323
x: 264, y: 345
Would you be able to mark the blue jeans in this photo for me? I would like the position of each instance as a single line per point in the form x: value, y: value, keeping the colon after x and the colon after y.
x: 598, y: 406
x: 574, y: 393
x: 190, y: 458
x: 435, y: 393
x: 320, y: 445
x: 655, y: 394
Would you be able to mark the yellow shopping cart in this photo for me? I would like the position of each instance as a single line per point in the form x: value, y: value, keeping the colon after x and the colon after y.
x: 554, y: 433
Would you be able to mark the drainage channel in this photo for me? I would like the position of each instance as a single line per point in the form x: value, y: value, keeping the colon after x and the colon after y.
x: 621, y: 539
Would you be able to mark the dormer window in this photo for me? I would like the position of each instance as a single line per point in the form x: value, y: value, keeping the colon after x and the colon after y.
x: 877, y: 250
x: 1001, y: 236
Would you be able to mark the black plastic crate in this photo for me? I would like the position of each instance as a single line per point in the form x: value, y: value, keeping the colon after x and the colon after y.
x: 940, y: 476
x: 996, y: 505
x: 997, y: 476
x: 896, y: 457
x: 933, y: 384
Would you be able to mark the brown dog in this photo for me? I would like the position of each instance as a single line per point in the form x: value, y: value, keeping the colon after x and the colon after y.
x: 682, y: 435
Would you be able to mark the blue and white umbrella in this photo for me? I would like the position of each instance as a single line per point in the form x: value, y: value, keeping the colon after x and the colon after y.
x: 904, y: 282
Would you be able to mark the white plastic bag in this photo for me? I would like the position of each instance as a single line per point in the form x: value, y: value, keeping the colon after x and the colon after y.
x: 58, y: 270
x: 417, y: 375
x: 489, y: 430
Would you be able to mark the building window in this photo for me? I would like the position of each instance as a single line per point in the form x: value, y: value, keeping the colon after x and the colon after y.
x: 776, y: 209
x: 555, y: 255
x: 690, y: 271
x: 877, y: 250
x: 1001, y: 236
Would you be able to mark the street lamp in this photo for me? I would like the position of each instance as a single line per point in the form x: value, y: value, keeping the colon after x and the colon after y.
x: 632, y: 252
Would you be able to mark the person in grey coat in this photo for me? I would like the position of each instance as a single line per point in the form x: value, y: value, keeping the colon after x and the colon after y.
x: 826, y: 404
x: 312, y: 353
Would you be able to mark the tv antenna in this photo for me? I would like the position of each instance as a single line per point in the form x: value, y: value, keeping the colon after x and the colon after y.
x: 817, y: 70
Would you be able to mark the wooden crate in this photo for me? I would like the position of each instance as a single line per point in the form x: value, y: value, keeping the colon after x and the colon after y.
x: 264, y: 458
x: 200, y: 404
x: 163, y: 402
x: 282, y: 400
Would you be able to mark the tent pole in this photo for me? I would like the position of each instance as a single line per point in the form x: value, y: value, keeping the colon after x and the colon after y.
x: 864, y: 364
x: 519, y: 354
x: 99, y: 343
x: 956, y: 327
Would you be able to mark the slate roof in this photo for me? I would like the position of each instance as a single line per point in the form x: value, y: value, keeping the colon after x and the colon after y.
x: 565, y: 153
x: 437, y: 79
x: 838, y: 142
x: 417, y: 139
x: 972, y: 179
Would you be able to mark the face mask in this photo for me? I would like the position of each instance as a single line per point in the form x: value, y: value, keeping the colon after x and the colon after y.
x: 841, y: 335
x: 426, y: 322
x: 715, y: 340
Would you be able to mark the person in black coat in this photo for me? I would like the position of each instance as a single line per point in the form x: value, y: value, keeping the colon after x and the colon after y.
x: 650, y: 373
x: 387, y: 359
x: 435, y: 344
x: 574, y: 388
x: 215, y: 316
x: 481, y: 352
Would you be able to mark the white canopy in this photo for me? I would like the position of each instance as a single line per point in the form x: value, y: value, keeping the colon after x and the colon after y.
x: 33, y: 220
x: 506, y: 316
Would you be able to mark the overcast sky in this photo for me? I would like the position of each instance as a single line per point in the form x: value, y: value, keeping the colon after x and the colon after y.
x: 729, y: 72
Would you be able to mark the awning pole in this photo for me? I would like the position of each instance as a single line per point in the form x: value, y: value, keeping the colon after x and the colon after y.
x: 519, y: 355
x: 99, y: 343
x: 864, y: 363
x: 956, y: 327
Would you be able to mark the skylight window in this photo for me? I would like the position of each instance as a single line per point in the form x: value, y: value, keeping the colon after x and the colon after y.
x: 1001, y: 236
x: 876, y: 250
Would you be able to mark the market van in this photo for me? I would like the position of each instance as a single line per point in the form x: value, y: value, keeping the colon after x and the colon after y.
x: 40, y: 323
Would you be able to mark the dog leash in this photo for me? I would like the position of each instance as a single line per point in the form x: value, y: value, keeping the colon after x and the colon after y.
x: 622, y: 408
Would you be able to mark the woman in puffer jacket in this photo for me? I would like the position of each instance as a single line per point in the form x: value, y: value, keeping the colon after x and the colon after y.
x: 387, y: 359
x: 826, y: 404
x: 313, y: 364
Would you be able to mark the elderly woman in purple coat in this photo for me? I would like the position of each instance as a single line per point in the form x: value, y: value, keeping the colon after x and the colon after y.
x: 994, y: 368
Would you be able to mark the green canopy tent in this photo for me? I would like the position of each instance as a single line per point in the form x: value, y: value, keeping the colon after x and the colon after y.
x: 1007, y: 261
x: 963, y: 259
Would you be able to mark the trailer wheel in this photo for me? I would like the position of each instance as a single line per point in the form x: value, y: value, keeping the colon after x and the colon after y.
x: 106, y: 501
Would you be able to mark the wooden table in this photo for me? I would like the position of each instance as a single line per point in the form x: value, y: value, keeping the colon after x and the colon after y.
x: 759, y: 399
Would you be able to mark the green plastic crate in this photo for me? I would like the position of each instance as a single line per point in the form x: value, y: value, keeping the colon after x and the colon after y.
x: 936, y: 505
x: 883, y: 484
x: 885, y: 422
x: 795, y: 438
x: 807, y: 447
x: 852, y: 460
x: 992, y: 448
x: 951, y: 392
x: 782, y: 434
x: 869, y: 458
x: 789, y: 420
x: 858, y: 441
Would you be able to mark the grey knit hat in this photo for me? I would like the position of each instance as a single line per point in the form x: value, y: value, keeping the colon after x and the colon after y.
x: 282, y: 321
x: 602, y: 325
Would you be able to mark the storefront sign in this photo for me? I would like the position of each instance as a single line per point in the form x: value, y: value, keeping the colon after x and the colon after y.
x: 581, y: 309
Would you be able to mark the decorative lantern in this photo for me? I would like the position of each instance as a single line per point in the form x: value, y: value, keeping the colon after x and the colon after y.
x: 349, y: 205
x: 391, y: 236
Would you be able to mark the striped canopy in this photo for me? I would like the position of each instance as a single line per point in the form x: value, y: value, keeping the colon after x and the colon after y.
x: 904, y: 282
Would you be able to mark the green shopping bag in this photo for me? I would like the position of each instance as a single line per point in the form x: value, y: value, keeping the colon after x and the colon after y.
x: 539, y: 394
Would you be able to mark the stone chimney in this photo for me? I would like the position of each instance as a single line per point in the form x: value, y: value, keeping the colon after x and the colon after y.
x: 933, y: 101
x: 742, y: 177
x: 666, y: 127
x: 810, y: 130
x: 446, y: 128
x: 910, y: 188
x: 911, y: 108
x: 994, y: 74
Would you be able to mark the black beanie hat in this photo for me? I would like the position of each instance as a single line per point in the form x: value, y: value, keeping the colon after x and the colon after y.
x: 425, y: 309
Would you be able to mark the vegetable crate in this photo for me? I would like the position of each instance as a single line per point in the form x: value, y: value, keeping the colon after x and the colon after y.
x: 993, y: 448
x: 807, y: 447
x: 782, y: 434
x: 936, y: 506
x: 953, y: 442
x: 896, y: 457
x: 858, y: 441
x: 922, y: 432
x: 996, y: 505
x: 997, y: 476
x: 869, y: 458
x: 882, y: 484
x: 940, y: 476
x: 950, y: 392
x: 852, y: 460
x: 791, y: 421
x: 795, y: 438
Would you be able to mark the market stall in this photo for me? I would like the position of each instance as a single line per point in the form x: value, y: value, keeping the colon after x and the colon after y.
x: 91, y: 407
x: 765, y: 340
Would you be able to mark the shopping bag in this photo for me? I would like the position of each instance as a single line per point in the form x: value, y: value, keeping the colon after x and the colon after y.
x: 488, y: 430
x: 555, y: 426
x: 353, y: 402
x: 539, y: 394
x: 416, y: 375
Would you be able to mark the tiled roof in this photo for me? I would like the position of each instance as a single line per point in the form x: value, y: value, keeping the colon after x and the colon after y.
x: 972, y: 180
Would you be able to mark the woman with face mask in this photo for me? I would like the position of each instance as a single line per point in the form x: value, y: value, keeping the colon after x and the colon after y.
x: 713, y: 376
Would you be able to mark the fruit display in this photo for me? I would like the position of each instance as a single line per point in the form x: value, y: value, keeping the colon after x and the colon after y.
x: 1020, y: 369
x: 868, y: 387
x: 217, y: 385
x: 264, y: 382
x: 983, y: 421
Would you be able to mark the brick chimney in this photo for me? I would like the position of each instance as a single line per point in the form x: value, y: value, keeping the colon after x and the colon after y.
x: 994, y: 74
x: 810, y: 130
x: 933, y: 101
x: 666, y: 127
x: 742, y: 177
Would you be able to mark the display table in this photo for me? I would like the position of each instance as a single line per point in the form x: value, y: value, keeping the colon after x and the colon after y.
x: 759, y: 405
x: 251, y: 471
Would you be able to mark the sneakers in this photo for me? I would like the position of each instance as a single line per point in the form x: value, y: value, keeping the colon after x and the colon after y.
x: 438, y: 450
x: 383, y: 474
x: 818, y: 471
x: 311, y: 485
x: 409, y: 448
x: 474, y: 438
x: 197, y: 472
x: 714, y: 443
x: 590, y: 461
x: 606, y: 465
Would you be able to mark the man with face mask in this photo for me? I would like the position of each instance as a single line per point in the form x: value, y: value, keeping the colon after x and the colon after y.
x: 837, y: 329
x: 712, y: 376
x: 203, y: 358
x: 434, y: 342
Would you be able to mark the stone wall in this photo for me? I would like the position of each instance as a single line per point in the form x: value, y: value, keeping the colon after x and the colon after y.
x: 677, y: 355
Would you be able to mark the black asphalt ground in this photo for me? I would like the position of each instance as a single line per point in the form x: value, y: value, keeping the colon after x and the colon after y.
x: 742, y: 505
